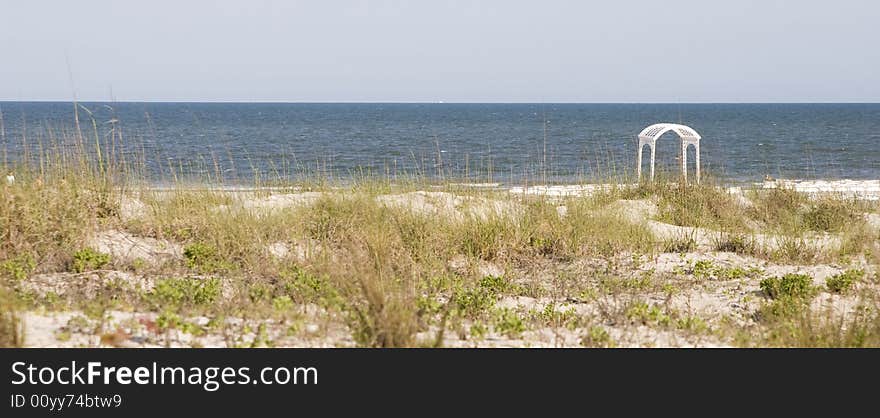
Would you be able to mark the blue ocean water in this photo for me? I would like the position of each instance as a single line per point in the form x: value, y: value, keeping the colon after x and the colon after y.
x: 497, y: 142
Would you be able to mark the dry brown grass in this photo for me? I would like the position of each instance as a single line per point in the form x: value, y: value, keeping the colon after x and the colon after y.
x: 11, y: 327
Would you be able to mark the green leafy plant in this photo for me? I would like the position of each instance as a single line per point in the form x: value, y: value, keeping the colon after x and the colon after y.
x: 509, y: 323
x: 790, y: 285
x: 474, y: 302
x: 641, y: 312
x: 17, y: 268
x: 732, y: 273
x: 88, y: 259
x: 205, y: 258
x: 478, y: 331
x: 703, y: 269
x: 168, y: 320
x: 692, y: 323
x: 554, y: 315
x: 597, y: 337
x: 184, y: 291
x: 495, y: 284
x: 303, y: 286
x: 843, y: 282
x: 282, y: 303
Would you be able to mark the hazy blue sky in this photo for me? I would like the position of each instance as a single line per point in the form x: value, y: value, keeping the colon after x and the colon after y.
x: 474, y: 51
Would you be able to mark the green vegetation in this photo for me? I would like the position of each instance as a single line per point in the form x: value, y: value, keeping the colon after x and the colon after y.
x: 790, y: 319
x: 795, y: 322
x: 641, y: 312
x: 832, y: 215
x: 17, y: 268
x: 205, y: 259
x: 597, y: 337
x: 89, y: 259
x: 184, y: 292
x: 706, y: 269
x: 843, y: 283
x: 699, y: 205
x: 509, y: 323
x: 789, y: 286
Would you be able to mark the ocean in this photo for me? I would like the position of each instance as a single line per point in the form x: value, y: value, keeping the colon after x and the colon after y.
x: 505, y: 143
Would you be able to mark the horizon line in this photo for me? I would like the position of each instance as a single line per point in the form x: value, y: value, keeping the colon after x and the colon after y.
x: 424, y: 102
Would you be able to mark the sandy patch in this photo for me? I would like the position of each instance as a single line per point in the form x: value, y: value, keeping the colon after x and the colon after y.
x: 818, y: 272
x: 645, y: 337
x: 84, y: 284
x: 281, y: 201
x: 873, y: 220
x: 126, y: 247
x: 140, y: 329
x: 707, y: 239
x: 47, y: 330
x: 449, y: 205
x: 669, y: 262
x: 859, y: 189
x: 566, y: 190
x: 132, y: 209
x: 463, y: 266
x: 299, y: 251
x: 636, y: 211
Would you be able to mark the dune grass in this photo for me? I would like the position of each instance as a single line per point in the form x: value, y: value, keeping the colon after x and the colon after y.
x: 11, y: 330
x: 399, y: 262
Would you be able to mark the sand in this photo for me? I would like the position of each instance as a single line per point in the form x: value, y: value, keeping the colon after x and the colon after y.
x: 124, y: 246
x: 860, y: 189
x: 450, y: 205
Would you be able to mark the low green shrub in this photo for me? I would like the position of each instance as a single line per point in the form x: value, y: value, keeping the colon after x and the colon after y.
x: 205, y: 258
x: 790, y: 285
x: 843, y: 282
x: 180, y: 292
x: 88, y: 259
x: 509, y: 323
x: 17, y: 268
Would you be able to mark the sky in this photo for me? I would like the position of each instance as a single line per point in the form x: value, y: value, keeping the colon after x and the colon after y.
x: 674, y: 51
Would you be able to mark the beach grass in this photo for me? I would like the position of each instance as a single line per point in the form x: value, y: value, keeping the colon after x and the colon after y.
x: 414, y: 261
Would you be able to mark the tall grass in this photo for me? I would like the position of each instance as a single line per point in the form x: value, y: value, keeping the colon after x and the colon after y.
x: 11, y: 326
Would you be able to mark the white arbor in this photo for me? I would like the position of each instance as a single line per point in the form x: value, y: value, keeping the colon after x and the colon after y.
x: 688, y: 136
